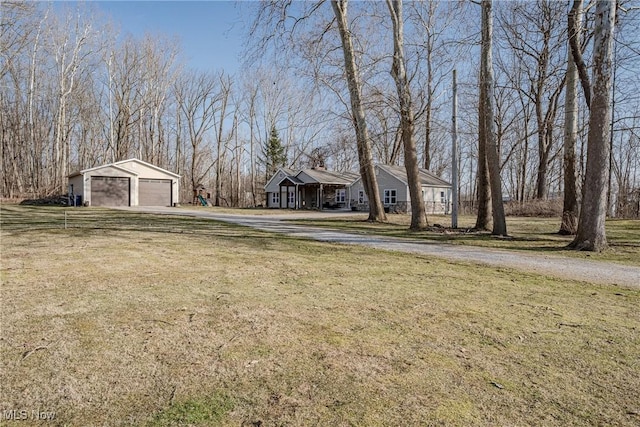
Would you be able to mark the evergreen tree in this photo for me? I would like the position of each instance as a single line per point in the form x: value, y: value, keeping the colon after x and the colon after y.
x: 275, y: 155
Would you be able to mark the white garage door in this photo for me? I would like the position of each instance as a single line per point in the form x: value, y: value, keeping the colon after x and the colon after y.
x: 154, y: 192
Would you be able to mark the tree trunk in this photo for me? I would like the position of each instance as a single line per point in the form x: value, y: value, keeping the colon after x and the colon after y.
x: 367, y: 171
x: 429, y: 107
x: 569, y: 223
x: 418, y: 215
x: 543, y: 163
x: 483, y: 188
x: 486, y: 97
x: 591, y: 233
x: 225, y: 86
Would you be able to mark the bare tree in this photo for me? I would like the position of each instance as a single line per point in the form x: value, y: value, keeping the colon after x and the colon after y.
x: 225, y: 93
x: 384, y: 127
x: 575, y: 48
x: 535, y: 35
x: 125, y: 71
x: 249, y: 116
x: 436, y: 50
x: 70, y: 52
x: 591, y: 234
x: 20, y: 43
x: 198, y: 98
x: 487, y: 122
x: 398, y: 71
x: 367, y: 172
x: 484, y: 214
x: 569, y: 223
x: 159, y: 75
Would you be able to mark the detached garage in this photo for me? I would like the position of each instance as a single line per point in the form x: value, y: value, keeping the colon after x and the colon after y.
x: 126, y: 183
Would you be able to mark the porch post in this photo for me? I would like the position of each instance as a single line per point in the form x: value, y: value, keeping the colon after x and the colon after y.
x: 280, y: 196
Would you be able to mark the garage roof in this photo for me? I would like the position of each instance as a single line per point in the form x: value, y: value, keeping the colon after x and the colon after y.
x: 118, y: 165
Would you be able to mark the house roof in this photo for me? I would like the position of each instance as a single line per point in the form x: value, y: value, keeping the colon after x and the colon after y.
x: 286, y: 171
x: 322, y: 176
x: 427, y: 178
x: 314, y: 176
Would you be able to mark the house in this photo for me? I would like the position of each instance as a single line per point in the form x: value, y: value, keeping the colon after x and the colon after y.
x: 394, y: 191
x: 315, y: 188
x: 125, y: 183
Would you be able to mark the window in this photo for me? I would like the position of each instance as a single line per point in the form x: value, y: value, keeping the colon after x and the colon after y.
x: 443, y: 198
x: 390, y: 197
x: 275, y: 198
x: 292, y: 197
x: 340, y: 195
x: 361, y: 196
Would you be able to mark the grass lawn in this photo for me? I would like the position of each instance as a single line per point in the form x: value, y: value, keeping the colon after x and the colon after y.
x: 132, y: 319
x: 525, y: 234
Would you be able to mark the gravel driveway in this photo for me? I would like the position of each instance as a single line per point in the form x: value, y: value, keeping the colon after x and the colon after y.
x: 556, y: 266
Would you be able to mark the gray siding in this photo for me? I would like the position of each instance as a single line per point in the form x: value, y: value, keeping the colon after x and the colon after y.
x: 273, y: 184
x: 386, y: 181
x: 389, y: 182
x: 78, y: 185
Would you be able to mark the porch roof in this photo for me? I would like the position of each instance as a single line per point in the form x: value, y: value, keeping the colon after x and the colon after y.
x: 292, y: 180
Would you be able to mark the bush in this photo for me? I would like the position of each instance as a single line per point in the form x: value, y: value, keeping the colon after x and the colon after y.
x: 534, y: 208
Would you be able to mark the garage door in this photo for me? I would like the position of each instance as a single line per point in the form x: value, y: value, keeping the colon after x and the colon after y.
x: 154, y: 192
x: 109, y: 191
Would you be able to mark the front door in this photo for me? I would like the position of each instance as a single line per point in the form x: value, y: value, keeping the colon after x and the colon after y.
x: 291, y: 198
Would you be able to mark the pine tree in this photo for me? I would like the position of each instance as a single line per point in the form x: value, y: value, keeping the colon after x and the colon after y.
x: 275, y: 153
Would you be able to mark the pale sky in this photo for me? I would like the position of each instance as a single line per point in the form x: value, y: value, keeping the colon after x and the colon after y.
x: 210, y: 31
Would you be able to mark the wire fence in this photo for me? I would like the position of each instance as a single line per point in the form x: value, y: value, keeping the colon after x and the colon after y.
x: 16, y: 218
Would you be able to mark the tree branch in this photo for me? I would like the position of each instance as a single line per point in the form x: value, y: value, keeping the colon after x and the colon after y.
x: 576, y: 51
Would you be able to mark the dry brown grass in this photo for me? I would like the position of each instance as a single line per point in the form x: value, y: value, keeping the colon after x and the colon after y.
x: 188, y: 322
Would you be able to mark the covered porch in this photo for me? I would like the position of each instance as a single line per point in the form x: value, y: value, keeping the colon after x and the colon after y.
x: 295, y: 194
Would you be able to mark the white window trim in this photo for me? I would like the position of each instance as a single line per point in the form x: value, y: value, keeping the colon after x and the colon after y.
x: 341, y: 195
x: 390, y: 196
x: 360, y: 196
x: 275, y: 198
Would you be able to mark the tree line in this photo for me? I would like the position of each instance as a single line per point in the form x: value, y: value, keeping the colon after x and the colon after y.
x: 75, y: 94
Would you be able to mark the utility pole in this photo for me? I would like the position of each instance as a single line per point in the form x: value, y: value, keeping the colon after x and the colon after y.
x: 610, y: 207
x: 454, y: 155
